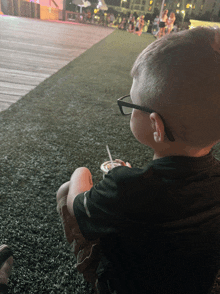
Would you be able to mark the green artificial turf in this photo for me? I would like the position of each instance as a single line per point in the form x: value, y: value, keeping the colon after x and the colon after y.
x: 62, y: 124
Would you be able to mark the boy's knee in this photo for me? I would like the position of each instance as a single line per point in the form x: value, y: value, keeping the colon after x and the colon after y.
x: 83, y: 172
x: 82, y: 169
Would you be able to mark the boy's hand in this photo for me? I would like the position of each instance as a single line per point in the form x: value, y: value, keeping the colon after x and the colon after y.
x: 123, y: 163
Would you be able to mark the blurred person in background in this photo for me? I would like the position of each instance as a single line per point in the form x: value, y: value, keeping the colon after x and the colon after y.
x: 155, y: 26
x: 108, y: 18
x: 170, y: 22
x: 101, y: 19
x: 112, y: 18
x: 163, y: 23
x: 123, y: 24
x: 139, y: 26
x: 131, y: 24
x: 118, y: 19
x: 105, y: 20
x: 88, y: 16
x: 93, y: 18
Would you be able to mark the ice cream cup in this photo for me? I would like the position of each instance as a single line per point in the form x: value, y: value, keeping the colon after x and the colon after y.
x: 107, y: 166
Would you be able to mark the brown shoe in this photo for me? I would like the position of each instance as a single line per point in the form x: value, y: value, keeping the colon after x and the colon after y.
x: 6, y: 262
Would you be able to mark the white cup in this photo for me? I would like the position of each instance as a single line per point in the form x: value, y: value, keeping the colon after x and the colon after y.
x: 107, y: 166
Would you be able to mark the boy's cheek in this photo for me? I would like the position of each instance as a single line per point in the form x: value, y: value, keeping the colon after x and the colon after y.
x: 133, y: 125
x: 140, y: 126
x: 134, y: 121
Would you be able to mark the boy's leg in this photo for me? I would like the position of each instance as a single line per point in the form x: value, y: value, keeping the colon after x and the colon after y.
x: 80, y: 181
x: 86, y: 252
x: 63, y: 191
x: 66, y: 219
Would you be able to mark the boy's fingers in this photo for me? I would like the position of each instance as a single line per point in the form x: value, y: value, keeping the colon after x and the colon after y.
x: 123, y: 163
x: 128, y: 164
x: 120, y: 161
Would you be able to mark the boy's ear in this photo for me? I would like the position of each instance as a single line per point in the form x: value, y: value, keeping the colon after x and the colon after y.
x: 158, y: 127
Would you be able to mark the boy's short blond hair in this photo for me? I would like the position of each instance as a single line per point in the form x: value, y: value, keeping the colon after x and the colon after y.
x: 179, y: 76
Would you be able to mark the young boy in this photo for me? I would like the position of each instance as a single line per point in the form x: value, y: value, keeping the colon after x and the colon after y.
x: 157, y: 229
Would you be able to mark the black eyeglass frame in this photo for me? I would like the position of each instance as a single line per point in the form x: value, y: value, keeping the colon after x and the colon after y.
x: 145, y: 109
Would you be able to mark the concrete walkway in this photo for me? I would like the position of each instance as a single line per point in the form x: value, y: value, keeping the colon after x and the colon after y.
x: 31, y: 50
